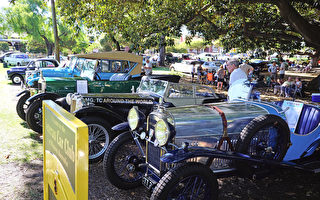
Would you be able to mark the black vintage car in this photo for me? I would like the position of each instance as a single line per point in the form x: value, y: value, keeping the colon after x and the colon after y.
x: 102, y: 111
x: 179, y: 152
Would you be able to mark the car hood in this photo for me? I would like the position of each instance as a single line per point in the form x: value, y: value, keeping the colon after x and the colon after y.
x: 203, y: 126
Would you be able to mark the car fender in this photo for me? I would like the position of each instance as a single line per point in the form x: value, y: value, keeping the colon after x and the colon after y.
x: 99, y: 111
x: 23, y: 92
x: 124, y: 126
x: 44, y: 96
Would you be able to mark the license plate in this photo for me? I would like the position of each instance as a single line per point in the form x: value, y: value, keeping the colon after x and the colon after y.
x: 147, y: 182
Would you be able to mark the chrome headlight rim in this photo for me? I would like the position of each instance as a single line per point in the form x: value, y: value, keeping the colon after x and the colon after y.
x: 135, y: 118
x: 162, y: 136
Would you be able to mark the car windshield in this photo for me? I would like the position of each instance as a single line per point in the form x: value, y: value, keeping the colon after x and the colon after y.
x: 153, y: 85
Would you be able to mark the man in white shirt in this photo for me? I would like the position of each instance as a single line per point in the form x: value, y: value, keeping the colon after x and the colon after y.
x: 236, y: 72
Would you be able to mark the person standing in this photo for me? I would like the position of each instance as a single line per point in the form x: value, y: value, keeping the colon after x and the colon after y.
x: 148, y: 68
x: 273, y: 71
x: 199, y: 73
x: 220, y: 73
x: 236, y: 73
x: 193, y: 70
x: 282, y: 71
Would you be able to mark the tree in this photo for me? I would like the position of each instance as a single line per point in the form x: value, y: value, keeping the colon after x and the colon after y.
x: 30, y: 18
x: 282, y: 25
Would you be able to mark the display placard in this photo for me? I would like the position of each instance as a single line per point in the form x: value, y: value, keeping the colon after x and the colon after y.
x: 65, y: 160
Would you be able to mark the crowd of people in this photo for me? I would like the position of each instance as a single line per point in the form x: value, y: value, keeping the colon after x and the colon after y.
x: 233, y: 70
x: 284, y: 87
x: 224, y: 77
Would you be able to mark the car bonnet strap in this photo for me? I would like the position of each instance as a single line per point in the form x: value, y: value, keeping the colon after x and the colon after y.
x: 225, y: 136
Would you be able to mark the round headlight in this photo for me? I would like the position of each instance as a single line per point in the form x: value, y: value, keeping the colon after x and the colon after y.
x: 133, y: 118
x: 162, y: 132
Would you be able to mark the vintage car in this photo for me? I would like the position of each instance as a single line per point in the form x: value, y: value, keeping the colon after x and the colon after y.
x: 6, y: 54
x: 185, y: 66
x: 92, y: 70
x: 17, y: 74
x: 102, y: 111
x: 17, y: 59
x: 180, y: 152
x: 108, y: 65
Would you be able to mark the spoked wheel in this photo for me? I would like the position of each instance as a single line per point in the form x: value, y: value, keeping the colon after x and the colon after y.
x: 100, y: 135
x: 22, y: 105
x: 34, y: 116
x: 265, y: 137
x: 192, y: 181
x: 122, y: 162
x: 16, y: 79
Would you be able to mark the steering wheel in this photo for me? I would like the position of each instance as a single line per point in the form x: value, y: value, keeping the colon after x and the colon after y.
x: 97, y: 76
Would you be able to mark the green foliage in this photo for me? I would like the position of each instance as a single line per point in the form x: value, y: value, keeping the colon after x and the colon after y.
x: 33, y: 19
x: 4, y: 46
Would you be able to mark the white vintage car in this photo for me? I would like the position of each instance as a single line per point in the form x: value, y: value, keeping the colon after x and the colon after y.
x: 185, y: 66
x: 17, y: 59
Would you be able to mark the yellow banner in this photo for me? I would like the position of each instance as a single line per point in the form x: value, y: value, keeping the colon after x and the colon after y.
x: 65, y: 156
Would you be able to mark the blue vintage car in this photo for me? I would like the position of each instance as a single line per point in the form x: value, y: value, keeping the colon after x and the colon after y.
x: 105, y: 68
x: 17, y: 74
x: 180, y: 152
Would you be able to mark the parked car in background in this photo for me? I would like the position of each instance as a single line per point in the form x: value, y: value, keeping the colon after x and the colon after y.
x: 92, y: 69
x: 107, y: 66
x: 185, y: 66
x: 7, y: 54
x: 102, y: 111
x: 17, y: 74
x: 62, y: 58
x: 124, y: 67
x: 17, y: 59
x: 207, y: 56
x: 212, y: 65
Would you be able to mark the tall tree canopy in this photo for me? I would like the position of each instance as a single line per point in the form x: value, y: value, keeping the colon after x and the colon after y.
x: 33, y: 19
x: 284, y: 25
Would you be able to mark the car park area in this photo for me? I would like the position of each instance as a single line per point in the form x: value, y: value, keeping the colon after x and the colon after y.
x: 27, y: 174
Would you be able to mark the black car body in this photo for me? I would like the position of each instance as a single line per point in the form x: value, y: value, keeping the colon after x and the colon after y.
x: 17, y: 74
x: 180, y: 152
x: 102, y: 111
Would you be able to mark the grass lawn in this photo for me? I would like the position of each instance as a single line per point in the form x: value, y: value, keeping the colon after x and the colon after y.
x: 18, y: 142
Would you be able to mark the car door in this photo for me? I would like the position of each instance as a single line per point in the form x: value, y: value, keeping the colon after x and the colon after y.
x: 180, y: 94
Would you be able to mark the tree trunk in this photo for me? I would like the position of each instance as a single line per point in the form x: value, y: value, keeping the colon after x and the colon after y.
x: 162, y: 51
x: 55, y: 31
x: 115, y: 42
x: 315, y: 58
x: 309, y: 32
x: 49, y: 45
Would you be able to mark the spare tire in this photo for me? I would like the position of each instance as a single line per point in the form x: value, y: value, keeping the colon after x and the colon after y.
x: 265, y: 137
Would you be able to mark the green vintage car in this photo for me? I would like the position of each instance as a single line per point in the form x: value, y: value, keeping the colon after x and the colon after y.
x: 117, y: 67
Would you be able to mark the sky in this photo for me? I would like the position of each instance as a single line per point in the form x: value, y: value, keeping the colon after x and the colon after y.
x: 4, y: 3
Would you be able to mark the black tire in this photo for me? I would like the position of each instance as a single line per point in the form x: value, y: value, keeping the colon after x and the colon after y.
x: 267, y: 137
x: 18, y: 64
x: 22, y: 106
x: 34, y: 116
x: 16, y: 79
x: 100, y: 136
x: 175, y: 184
x: 124, y: 154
